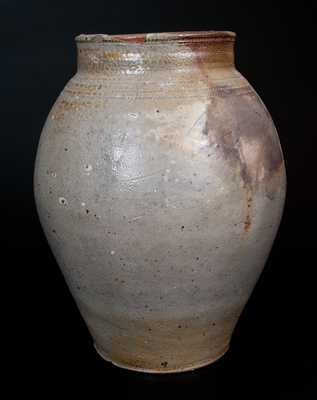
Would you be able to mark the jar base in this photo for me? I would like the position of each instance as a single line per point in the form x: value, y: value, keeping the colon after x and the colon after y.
x: 189, y: 367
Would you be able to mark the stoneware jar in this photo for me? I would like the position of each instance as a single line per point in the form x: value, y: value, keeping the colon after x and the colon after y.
x: 160, y: 184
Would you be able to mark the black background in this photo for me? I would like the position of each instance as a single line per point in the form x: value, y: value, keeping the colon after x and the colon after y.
x: 272, y: 352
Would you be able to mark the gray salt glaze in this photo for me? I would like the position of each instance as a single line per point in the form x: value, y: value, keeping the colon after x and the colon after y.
x: 160, y: 184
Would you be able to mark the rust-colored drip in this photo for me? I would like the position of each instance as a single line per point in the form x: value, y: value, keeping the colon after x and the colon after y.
x: 248, y: 218
x: 135, y: 38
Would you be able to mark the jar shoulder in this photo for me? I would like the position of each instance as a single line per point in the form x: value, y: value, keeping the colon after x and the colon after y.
x: 230, y: 123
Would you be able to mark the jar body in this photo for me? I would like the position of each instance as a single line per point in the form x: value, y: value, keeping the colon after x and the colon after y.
x: 160, y: 198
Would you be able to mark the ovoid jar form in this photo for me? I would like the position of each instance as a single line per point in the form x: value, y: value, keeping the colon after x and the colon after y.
x: 160, y: 184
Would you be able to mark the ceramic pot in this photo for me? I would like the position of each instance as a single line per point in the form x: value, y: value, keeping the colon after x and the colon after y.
x: 160, y: 184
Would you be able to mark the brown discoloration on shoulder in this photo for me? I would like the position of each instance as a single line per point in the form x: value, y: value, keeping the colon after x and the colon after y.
x: 239, y: 126
x: 71, y: 105
x: 243, y: 133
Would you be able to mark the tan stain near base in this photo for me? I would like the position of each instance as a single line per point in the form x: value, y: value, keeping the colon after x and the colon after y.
x: 161, y: 344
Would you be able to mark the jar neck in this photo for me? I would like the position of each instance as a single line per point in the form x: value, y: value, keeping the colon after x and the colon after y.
x: 140, y: 55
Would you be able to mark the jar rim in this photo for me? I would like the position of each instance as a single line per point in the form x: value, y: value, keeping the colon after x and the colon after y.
x: 144, y: 38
